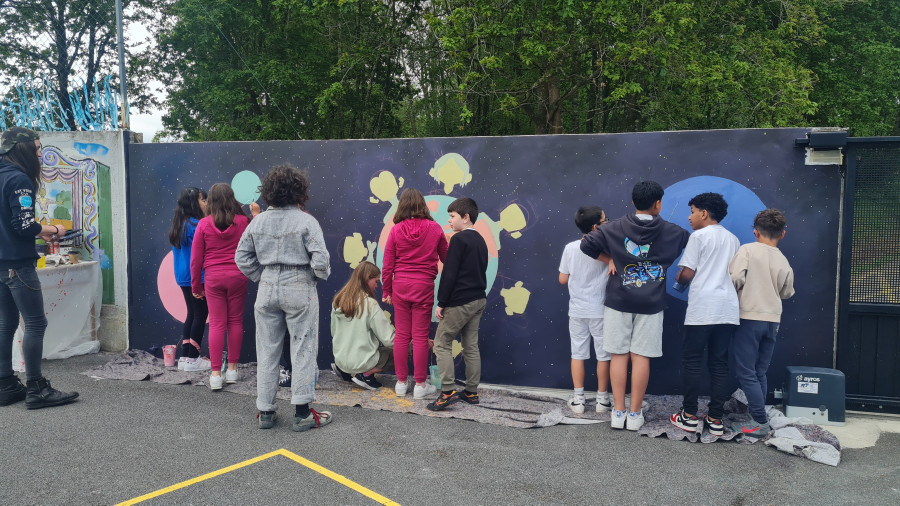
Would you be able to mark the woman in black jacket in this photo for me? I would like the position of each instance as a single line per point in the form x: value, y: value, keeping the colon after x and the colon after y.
x: 20, y: 288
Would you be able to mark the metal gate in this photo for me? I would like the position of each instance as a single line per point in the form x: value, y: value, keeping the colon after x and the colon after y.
x: 868, y: 341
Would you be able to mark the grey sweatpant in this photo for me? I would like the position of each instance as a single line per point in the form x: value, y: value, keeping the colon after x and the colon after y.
x: 286, y: 300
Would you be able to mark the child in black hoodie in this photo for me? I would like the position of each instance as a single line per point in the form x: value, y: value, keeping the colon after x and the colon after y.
x: 642, y: 247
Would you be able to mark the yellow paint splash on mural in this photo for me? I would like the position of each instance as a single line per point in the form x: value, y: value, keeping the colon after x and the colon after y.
x: 354, y: 250
x: 512, y: 219
x: 516, y: 298
x: 451, y: 169
x: 385, y: 187
x: 456, y: 348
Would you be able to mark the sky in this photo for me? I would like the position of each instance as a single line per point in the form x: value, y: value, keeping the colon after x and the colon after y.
x: 148, y: 123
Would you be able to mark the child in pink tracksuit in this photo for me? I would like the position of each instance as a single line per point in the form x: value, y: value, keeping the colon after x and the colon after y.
x: 223, y: 284
x: 410, y: 266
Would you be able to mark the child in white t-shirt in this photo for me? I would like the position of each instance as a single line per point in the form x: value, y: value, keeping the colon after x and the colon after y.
x: 586, y: 279
x: 712, y: 313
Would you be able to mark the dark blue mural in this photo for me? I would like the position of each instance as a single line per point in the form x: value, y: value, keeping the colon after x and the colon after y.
x: 528, y: 189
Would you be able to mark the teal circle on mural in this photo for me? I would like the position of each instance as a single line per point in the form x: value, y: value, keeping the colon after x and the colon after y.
x: 246, y: 186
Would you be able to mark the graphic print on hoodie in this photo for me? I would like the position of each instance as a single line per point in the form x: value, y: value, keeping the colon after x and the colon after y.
x: 642, y: 251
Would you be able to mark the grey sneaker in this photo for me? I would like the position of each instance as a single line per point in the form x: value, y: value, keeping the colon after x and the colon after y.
x: 266, y: 419
x: 752, y: 429
x: 316, y: 419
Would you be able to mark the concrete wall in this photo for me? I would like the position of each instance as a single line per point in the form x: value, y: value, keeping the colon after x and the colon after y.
x: 102, y: 152
x: 528, y: 189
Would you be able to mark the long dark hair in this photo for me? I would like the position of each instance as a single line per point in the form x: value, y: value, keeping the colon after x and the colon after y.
x: 412, y: 205
x: 188, y: 207
x: 223, y: 207
x: 24, y: 156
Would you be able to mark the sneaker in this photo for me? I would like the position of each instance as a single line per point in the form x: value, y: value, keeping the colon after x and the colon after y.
x: 316, y: 419
x: 471, y: 398
x: 443, y: 401
x: 401, y: 387
x: 367, y: 382
x: 628, y: 403
x: 284, y: 377
x: 340, y: 374
x: 604, y: 405
x: 685, y: 422
x: 266, y: 419
x: 635, y: 420
x: 752, y: 429
x: 215, y: 382
x: 231, y: 376
x: 194, y: 364
x: 617, y: 419
x: 576, y: 404
x: 11, y: 391
x: 39, y: 394
x: 422, y: 392
x: 716, y: 427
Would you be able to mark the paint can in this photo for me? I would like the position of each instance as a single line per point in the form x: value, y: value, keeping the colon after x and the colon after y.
x: 169, y: 355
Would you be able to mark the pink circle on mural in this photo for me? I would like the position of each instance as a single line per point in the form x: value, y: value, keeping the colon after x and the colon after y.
x: 169, y: 291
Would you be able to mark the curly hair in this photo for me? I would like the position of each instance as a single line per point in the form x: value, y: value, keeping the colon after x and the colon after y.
x: 713, y: 203
x: 285, y: 185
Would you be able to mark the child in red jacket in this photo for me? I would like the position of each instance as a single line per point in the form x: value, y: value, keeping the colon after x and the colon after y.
x: 409, y: 269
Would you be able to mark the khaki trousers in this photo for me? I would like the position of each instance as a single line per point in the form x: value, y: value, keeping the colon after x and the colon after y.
x: 463, y: 320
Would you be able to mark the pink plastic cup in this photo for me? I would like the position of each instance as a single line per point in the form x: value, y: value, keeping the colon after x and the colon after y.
x: 169, y: 355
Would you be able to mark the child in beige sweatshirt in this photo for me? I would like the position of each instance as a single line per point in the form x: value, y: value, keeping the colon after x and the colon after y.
x: 763, y: 277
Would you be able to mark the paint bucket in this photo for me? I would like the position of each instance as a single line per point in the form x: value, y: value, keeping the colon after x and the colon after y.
x: 169, y: 355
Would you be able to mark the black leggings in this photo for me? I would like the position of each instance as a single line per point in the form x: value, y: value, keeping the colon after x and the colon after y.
x: 195, y: 323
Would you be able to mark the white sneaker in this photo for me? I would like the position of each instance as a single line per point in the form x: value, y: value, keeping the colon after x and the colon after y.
x: 635, y: 421
x: 617, y: 419
x: 231, y: 376
x: 628, y: 403
x: 576, y: 404
x: 603, y: 405
x: 422, y: 392
x: 194, y: 364
x: 215, y: 382
x: 401, y: 387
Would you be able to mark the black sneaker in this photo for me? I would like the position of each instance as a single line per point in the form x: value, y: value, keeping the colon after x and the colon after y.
x: 716, y: 427
x: 444, y: 401
x: 41, y: 395
x: 367, y: 382
x: 341, y: 374
x: 471, y: 398
x: 11, y: 391
x: 684, y: 422
x: 284, y: 377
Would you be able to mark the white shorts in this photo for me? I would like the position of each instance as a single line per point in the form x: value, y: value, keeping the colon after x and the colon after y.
x: 580, y: 332
x: 636, y: 333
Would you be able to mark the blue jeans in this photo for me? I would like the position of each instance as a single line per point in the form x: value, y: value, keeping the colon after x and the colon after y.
x: 752, y: 347
x: 20, y: 292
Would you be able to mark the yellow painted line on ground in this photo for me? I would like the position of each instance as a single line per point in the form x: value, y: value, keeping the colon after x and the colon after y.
x: 284, y: 453
x: 338, y: 478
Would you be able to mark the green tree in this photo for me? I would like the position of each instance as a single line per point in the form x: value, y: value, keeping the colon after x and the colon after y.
x: 73, y: 40
x: 858, y: 70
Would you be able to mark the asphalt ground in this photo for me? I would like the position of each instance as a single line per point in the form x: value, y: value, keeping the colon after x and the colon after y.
x: 124, y: 439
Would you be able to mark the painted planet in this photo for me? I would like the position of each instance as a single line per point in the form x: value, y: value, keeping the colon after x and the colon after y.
x: 437, y: 204
x: 246, y: 186
x: 743, y: 205
x: 169, y: 292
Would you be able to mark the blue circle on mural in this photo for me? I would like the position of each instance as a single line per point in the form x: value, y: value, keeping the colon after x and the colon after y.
x: 743, y: 205
x: 246, y: 186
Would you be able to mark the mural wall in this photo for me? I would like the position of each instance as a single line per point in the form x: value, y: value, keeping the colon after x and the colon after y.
x: 528, y: 189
